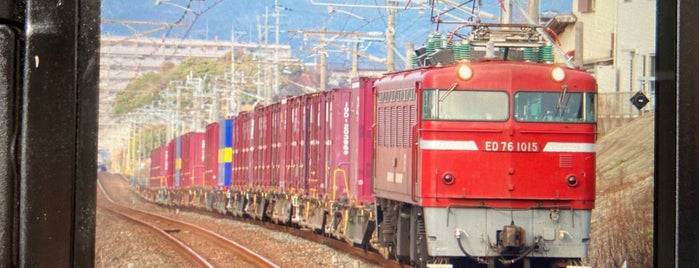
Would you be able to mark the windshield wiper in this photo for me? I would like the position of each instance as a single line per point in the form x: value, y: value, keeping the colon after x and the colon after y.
x: 453, y: 86
x: 561, y: 97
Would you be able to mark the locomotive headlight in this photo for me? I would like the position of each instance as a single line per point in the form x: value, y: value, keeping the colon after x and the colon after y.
x: 558, y: 73
x: 465, y: 72
x: 572, y: 181
x: 448, y: 179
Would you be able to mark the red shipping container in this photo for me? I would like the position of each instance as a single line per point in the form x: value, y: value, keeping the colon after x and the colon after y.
x: 157, y: 169
x: 242, y: 151
x: 169, y: 164
x: 277, y: 138
x: 361, y: 121
x: 317, y: 130
x: 340, y: 143
x: 282, y: 152
x: 211, y: 156
x: 295, y: 172
x: 338, y: 158
x: 262, y: 143
x: 192, y: 155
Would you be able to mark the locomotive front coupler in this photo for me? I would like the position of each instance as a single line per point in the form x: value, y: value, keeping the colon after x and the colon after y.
x: 510, y: 238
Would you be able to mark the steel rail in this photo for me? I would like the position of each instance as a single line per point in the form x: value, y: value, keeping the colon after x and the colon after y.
x: 138, y: 215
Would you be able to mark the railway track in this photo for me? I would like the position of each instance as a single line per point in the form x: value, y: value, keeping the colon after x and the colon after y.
x: 342, y: 246
x: 201, y: 247
x: 368, y: 256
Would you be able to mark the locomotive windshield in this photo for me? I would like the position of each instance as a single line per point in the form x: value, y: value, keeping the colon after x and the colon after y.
x: 459, y: 105
x: 555, y: 107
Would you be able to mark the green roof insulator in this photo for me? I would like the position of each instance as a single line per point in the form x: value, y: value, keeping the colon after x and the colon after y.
x: 546, y: 54
x: 413, y: 60
x: 462, y: 51
x: 467, y: 51
x: 530, y: 54
x: 459, y: 52
x: 437, y: 40
x: 430, y: 46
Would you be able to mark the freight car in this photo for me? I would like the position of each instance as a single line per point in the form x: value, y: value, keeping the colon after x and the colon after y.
x: 219, y: 147
x: 483, y: 154
x: 305, y: 161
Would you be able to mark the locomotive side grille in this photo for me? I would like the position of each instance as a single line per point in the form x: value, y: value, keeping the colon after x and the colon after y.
x: 401, y: 126
x: 565, y: 161
x: 380, y: 135
x: 413, y: 120
x: 393, y: 127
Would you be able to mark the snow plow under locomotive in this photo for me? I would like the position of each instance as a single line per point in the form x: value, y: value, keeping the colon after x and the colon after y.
x: 460, y: 161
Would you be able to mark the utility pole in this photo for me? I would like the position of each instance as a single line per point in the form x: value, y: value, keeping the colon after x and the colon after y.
x: 534, y: 10
x: 409, y: 52
x: 277, y: 8
x: 258, y: 82
x: 355, y: 59
x: 390, y: 36
x: 177, y: 111
x: 266, y: 34
x: 215, y: 105
x: 506, y: 12
x: 233, y: 81
x: 579, y: 48
x: 197, y: 95
x: 232, y: 56
x: 323, y: 66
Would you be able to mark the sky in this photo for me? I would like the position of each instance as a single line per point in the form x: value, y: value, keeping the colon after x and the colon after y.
x: 219, y: 16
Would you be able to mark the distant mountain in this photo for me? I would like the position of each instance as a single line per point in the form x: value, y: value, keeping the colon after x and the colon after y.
x: 217, y: 18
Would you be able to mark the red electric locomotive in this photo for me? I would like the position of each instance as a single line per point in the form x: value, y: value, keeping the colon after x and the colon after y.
x: 485, y: 161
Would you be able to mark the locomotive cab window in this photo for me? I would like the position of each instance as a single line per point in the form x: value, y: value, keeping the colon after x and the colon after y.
x: 461, y: 105
x: 555, y: 107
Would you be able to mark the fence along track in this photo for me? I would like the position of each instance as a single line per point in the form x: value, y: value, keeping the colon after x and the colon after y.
x: 174, y: 230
